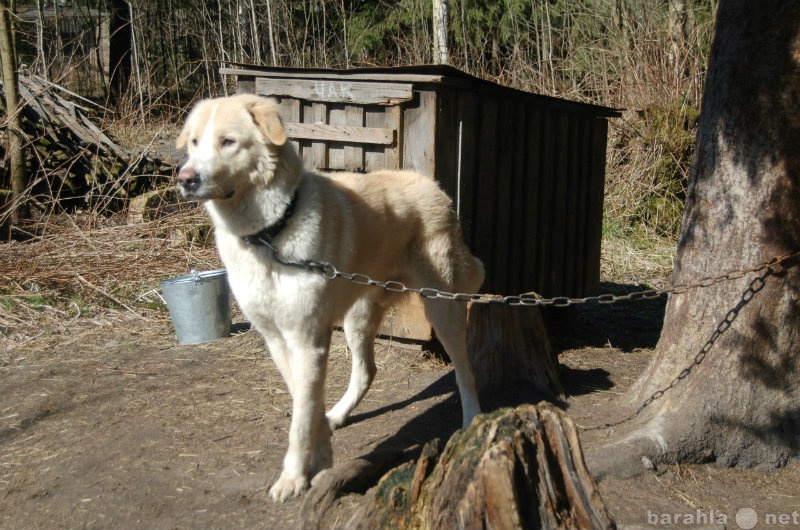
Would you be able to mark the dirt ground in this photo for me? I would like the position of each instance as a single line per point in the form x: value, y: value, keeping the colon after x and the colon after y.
x: 106, y: 422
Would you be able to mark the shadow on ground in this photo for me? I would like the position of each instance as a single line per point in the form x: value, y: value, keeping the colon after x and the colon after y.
x: 626, y: 325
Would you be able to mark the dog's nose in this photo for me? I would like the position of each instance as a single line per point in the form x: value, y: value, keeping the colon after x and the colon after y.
x: 188, y: 178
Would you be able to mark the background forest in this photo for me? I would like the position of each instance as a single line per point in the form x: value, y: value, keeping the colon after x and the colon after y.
x: 147, y: 60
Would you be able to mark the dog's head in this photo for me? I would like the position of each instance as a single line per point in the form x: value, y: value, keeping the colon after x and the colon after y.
x: 232, y: 143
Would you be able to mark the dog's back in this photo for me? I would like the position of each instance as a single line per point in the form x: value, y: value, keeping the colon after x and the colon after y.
x: 403, y: 214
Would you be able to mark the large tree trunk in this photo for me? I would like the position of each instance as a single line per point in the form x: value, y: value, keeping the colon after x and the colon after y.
x: 728, y: 361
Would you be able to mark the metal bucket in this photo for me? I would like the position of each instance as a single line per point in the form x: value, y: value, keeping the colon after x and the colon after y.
x: 199, y: 304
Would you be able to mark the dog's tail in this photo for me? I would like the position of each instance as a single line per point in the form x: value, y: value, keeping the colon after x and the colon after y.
x: 473, y: 276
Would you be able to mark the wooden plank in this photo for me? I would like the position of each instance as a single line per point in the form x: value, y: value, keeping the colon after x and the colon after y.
x: 336, y: 90
x: 583, y: 154
x: 318, y: 115
x: 518, y: 207
x: 545, y: 210
x: 560, y: 176
x: 446, y: 141
x: 485, y: 189
x: 467, y: 170
x: 530, y: 193
x: 419, y: 122
x: 374, y: 159
x: 387, y: 156
x: 336, y: 118
x: 386, y: 76
x: 393, y: 155
x: 340, y: 133
x: 501, y: 212
x: 594, y: 216
x: 290, y: 113
x: 570, y: 264
x: 354, y: 153
x: 406, y: 320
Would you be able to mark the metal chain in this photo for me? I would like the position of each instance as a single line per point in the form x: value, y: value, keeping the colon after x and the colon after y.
x: 756, y: 285
x: 330, y: 272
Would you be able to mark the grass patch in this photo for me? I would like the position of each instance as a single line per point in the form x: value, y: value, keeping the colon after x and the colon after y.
x: 636, y: 254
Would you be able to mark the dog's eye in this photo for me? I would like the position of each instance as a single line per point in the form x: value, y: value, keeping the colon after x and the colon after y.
x: 227, y: 142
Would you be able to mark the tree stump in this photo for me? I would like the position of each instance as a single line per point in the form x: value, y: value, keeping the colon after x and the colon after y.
x: 516, y: 468
x: 509, y: 345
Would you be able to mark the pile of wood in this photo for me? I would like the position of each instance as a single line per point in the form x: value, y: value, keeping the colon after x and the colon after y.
x: 71, y: 160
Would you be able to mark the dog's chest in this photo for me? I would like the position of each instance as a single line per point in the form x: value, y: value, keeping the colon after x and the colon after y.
x: 267, y: 292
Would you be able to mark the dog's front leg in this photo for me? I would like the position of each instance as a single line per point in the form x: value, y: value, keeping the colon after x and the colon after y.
x: 309, y: 434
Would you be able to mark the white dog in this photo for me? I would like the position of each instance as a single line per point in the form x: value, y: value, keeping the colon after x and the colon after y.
x: 267, y: 211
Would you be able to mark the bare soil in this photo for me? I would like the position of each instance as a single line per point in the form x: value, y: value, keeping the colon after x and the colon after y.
x: 106, y: 422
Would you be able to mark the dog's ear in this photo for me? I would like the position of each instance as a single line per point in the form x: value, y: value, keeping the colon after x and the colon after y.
x: 266, y: 117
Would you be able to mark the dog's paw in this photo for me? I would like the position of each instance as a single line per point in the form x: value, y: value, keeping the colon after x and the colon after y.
x: 336, y: 420
x: 288, y: 487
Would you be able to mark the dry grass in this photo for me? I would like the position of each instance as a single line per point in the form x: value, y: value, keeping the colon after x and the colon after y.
x: 78, y: 268
x: 633, y: 259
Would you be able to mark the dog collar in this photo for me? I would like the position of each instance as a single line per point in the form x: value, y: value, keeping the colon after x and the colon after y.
x: 265, y: 236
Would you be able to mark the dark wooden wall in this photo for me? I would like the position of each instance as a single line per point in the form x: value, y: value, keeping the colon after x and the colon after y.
x: 528, y: 183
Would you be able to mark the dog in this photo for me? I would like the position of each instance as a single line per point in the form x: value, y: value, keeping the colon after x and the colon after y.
x: 270, y: 214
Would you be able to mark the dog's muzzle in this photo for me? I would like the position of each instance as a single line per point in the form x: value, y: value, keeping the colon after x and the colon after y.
x: 189, y: 181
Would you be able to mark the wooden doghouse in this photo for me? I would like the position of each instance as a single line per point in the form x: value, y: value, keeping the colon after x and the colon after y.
x: 525, y: 171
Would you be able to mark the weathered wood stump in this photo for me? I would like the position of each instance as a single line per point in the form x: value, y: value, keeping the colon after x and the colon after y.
x: 518, y: 468
x: 510, y: 345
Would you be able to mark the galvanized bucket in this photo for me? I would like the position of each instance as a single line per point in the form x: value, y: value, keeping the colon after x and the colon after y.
x: 199, y: 304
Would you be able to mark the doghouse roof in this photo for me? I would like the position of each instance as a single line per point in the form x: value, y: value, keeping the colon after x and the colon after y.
x: 418, y: 74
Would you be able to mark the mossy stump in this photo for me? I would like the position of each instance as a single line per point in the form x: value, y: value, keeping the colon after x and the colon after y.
x: 516, y: 468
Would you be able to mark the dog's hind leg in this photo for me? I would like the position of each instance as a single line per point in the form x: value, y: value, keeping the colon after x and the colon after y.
x: 447, y: 264
x: 449, y: 320
x: 360, y: 327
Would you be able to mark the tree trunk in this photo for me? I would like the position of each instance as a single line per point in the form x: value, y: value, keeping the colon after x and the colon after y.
x: 14, y: 121
x: 441, y: 55
x: 510, y: 345
x: 727, y: 361
x: 680, y: 21
x: 513, y: 469
x: 120, y: 55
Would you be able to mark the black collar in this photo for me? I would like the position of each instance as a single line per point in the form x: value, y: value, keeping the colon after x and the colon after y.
x: 265, y: 236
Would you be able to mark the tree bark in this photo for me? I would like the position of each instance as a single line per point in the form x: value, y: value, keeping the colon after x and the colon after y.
x: 727, y: 361
x: 513, y: 469
x: 14, y: 121
x: 441, y: 55
x: 680, y: 22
